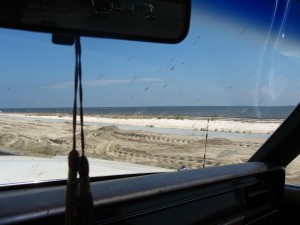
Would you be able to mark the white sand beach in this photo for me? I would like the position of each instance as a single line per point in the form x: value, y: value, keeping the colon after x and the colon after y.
x: 51, y: 136
x: 234, y: 125
x: 36, y: 134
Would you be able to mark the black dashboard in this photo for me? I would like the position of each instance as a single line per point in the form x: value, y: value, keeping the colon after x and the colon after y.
x: 248, y: 193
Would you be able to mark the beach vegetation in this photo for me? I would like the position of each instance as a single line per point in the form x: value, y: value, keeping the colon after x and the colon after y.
x: 42, y: 150
x: 214, y: 117
x: 1, y: 140
x: 178, y: 117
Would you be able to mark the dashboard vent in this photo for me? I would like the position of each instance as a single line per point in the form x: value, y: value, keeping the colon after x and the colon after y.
x: 257, y: 195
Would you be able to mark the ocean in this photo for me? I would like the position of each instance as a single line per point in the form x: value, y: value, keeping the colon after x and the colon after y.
x: 263, y: 112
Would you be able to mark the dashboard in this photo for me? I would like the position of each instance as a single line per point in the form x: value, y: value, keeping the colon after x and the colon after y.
x: 247, y: 193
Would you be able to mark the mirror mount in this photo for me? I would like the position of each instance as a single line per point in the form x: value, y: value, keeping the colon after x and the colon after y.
x: 63, y: 39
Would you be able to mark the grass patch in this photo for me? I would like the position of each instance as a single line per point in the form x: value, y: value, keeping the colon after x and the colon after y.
x: 1, y: 140
x: 41, y: 151
x: 179, y: 118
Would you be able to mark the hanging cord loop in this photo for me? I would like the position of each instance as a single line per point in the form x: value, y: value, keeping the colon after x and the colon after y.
x: 79, y: 206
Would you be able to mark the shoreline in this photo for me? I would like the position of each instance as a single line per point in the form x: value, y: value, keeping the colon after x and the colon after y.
x: 146, y: 116
x: 171, y: 112
x: 225, y: 125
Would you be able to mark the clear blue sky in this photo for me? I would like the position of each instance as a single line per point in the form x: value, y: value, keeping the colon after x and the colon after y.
x: 224, y: 60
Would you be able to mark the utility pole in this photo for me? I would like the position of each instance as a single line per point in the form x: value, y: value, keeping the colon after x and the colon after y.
x: 206, y: 137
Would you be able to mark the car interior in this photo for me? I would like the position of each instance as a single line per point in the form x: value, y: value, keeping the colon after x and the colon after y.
x: 254, y: 191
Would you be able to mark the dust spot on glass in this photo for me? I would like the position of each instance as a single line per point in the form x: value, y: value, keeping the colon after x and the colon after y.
x: 146, y: 89
x: 160, y: 69
x: 133, y: 79
x: 197, y: 100
x: 165, y: 85
x: 196, y: 41
x: 100, y: 76
x: 128, y: 60
x: 172, y: 68
x: 180, y: 92
x: 243, y: 30
x: 192, y: 65
x: 244, y: 110
x: 229, y: 87
x: 8, y: 89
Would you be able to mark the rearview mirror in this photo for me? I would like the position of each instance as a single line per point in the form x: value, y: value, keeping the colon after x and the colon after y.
x: 147, y: 20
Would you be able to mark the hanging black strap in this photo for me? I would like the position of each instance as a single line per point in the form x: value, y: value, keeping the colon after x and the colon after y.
x: 78, y: 48
x: 72, y: 195
x: 79, y: 206
x: 86, y: 207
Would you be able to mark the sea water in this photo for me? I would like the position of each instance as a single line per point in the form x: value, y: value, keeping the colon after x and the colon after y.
x: 261, y: 112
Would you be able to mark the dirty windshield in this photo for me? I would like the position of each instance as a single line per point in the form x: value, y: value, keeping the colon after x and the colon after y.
x: 212, y: 99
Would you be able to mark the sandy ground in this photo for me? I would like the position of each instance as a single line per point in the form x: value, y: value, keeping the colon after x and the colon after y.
x: 49, y: 136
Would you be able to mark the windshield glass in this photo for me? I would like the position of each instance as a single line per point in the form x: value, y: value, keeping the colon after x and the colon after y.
x: 210, y: 100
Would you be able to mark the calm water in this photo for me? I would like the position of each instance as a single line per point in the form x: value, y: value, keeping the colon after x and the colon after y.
x: 266, y: 112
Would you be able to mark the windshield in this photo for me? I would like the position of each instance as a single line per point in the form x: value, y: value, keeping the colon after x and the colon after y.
x: 212, y: 99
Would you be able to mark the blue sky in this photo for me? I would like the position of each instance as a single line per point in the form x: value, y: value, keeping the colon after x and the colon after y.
x: 225, y: 60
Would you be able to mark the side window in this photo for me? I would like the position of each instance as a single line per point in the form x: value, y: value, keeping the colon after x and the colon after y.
x: 293, y: 172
